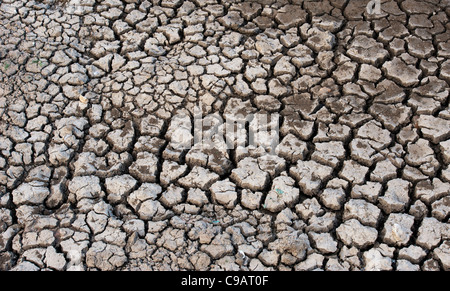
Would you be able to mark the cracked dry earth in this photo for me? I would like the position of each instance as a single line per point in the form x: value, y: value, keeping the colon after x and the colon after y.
x: 92, y: 93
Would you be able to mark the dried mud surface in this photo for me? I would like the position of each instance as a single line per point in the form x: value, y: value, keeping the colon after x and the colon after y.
x: 94, y: 95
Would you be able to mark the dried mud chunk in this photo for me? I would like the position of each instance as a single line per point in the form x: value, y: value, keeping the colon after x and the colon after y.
x: 151, y: 126
x: 333, y: 198
x: 442, y: 253
x: 122, y: 139
x: 301, y: 56
x: 405, y: 75
x: 290, y: 16
x: 323, y: 242
x: 153, y: 210
x: 367, y: 50
x: 378, y: 138
x: 421, y: 155
x: 112, y: 164
x: 369, y: 191
x: 284, y: 66
x: 119, y: 187
x: 374, y: 260
x: 385, y: 170
x: 145, y: 168
x: 86, y: 187
x: 292, y: 149
x: 278, y: 89
x: 396, y: 197
x: 353, y: 233
x: 329, y: 153
x: 267, y: 46
x: 224, y: 192
x: 390, y: 93
x: 199, y: 178
x: 263, y: 22
x: 249, y: 10
x: 294, y: 124
x: 283, y: 194
x: 310, y: 176
x: 302, y: 103
x: 332, y: 132
x: 320, y: 40
x: 430, y: 191
x: 173, y: 196
x: 272, y: 164
x: 33, y: 193
x: 219, y: 247
x: 404, y: 265
x: 414, y: 254
x: 268, y: 103
x: 441, y: 208
x: 146, y: 191
x: 42, y: 238
x: 238, y: 110
x: 269, y: 258
x: 250, y: 199
x: 213, y: 156
x: 355, y: 10
x: 394, y: 35
x: 179, y: 131
x: 407, y: 135
x: 367, y: 213
x: 232, y: 20
x: 435, y: 129
x: 391, y: 116
x: 171, y: 171
x: 353, y: 172
x: 419, y: 48
x: 313, y: 262
x: 323, y: 223
x: 415, y: 7
x: 369, y: 73
x: 431, y: 232
x: 309, y: 208
x: 345, y: 72
x: 105, y: 257
x: 293, y: 243
x: 153, y: 145
x: 397, y: 229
